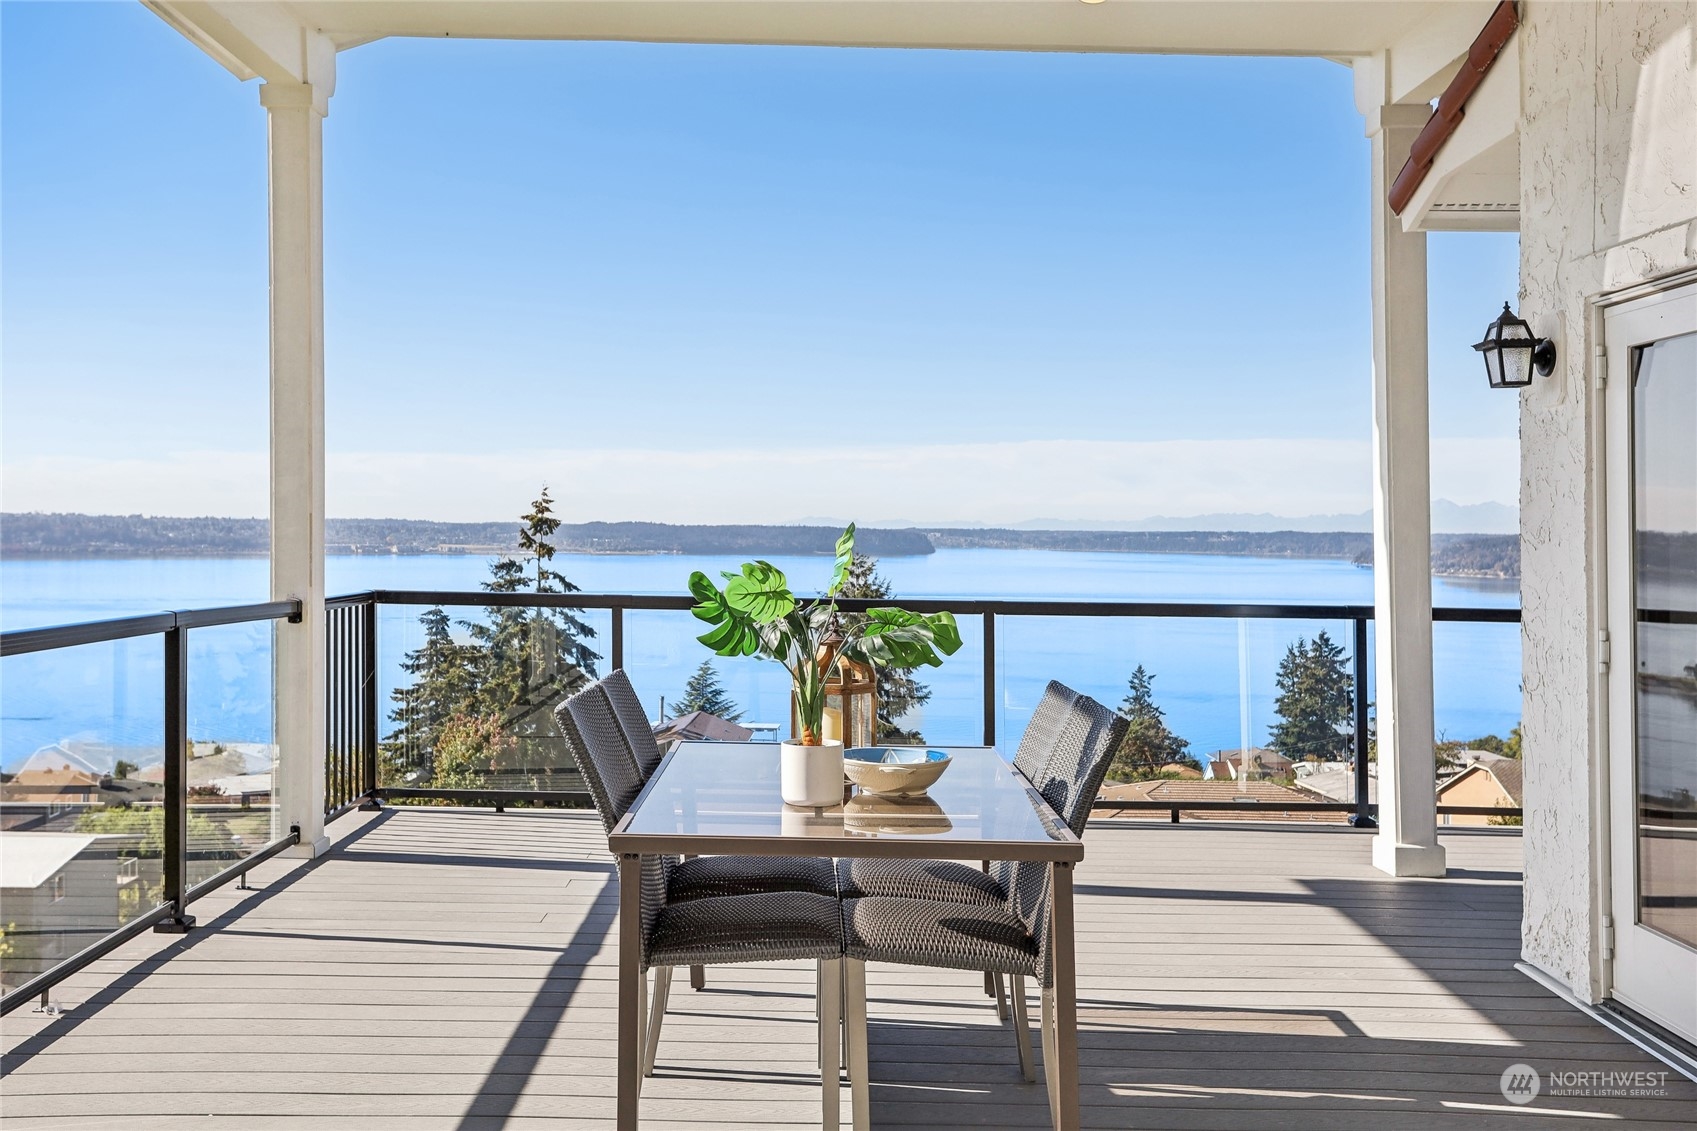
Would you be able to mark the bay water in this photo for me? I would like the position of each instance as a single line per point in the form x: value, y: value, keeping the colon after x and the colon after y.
x: 1213, y: 677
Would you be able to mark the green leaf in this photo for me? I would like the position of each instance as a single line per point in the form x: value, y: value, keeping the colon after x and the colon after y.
x: 734, y: 632
x: 845, y: 561
x: 945, y: 633
x: 733, y: 638
x: 760, y: 592
x: 898, y: 638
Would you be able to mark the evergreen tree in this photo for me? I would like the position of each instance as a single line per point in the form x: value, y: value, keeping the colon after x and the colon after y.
x: 1316, y: 696
x: 1149, y: 744
x: 445, y: 680
x: 704, y: 692
x: 532, y: 658
x: 518, y: 664
x: 898, y: 691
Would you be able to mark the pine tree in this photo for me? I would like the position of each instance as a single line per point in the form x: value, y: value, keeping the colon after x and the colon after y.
x: 1149, y: 745
x: 898, y: 691
x: 532, y: 658
x: 1316, y: 697
x: 704, y: 692
x: 518, y: 663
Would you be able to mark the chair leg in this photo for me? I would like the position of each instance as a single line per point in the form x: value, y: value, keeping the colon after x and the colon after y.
x: 843, y: 1035
x: 1049, y: 1075
x: 641, y: 1026
x: 1001, y: 999
x: 860, y: 1098
x: 830, y: 1028
x: 1022, y: 1030
x: 698, y: 977
x: 656, y: 1014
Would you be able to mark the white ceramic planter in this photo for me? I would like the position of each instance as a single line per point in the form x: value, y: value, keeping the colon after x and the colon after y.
x: 811, y: 775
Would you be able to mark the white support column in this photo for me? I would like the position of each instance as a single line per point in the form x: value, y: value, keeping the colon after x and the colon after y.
x: 1407, y: 841
x: 296, y: 112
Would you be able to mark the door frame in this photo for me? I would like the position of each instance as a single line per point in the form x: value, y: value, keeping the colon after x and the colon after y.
x: 1673, y: 303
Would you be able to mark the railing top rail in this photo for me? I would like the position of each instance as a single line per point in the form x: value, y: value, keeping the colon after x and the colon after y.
x: 22, y: 640
x: 962, y: 606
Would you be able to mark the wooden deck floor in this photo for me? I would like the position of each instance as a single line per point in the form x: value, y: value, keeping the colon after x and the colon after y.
x: 455, y: 969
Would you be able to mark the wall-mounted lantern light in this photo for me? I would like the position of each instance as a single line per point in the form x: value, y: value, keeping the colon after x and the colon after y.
x: 1512, y: 353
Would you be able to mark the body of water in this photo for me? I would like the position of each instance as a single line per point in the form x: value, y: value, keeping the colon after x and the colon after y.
x: 1213, y: 677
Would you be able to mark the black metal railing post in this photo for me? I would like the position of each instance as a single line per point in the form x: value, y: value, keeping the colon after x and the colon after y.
x: 617, y: 646
x: 989, y: 679
x: 175, y: 803
x: 368, y: 702
x: 1363, y: 815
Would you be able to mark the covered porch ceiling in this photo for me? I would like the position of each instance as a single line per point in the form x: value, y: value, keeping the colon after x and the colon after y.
x: 1429, y: 36
x: 1474, y: 185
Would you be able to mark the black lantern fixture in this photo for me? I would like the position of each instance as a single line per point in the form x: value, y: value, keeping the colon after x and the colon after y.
x: 1512, y: 352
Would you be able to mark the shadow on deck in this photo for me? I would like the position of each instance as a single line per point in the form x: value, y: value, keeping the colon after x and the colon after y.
x: 447, y: 968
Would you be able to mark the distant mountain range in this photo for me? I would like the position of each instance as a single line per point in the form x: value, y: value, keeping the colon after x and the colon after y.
x: 35, y: 535
x: 1447, y: 518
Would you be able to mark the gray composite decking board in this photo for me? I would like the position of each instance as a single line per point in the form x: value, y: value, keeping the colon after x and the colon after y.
x: 457, y: 969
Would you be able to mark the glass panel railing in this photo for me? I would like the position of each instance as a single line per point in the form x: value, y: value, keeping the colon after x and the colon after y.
x: 81, y: 843
x: 467, y: 695
x: 232, y: 766
x: 1257, y: 715
x: 1476, y: 710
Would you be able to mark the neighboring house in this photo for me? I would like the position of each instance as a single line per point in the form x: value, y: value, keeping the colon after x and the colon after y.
x: 699, y: 726
x: 65, y: 785
x: 1335, y: 781
x: 59, y: 757
x: 51, y: 800
x: 243, y: 789
x: 1494, y: 783
x: 60, y: 893
x: 1227, y: 765
x: 206, y: 767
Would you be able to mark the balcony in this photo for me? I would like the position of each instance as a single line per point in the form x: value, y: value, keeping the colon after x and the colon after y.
x: 455, y: 968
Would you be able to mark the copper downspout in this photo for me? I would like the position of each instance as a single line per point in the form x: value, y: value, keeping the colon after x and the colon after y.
x: 1452, y: 104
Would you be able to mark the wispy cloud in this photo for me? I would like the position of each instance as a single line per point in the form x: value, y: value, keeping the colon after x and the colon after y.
x: 1107, y: 481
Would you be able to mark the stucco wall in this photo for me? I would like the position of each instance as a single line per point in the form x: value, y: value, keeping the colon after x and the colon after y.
x: 1608, y: 174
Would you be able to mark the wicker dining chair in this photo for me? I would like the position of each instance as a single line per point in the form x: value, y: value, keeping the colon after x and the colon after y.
x: 957, y: 882
x: 633, y: 722
x: 700, y: 877
x: 1007, y: 936
x: 690, y: 915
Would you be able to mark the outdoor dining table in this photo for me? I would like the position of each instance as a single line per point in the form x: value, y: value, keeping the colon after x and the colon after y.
x: 712, y: 798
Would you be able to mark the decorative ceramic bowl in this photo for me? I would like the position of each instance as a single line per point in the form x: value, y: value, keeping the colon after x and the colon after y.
x: 894, y: 770
x: 871, y: 814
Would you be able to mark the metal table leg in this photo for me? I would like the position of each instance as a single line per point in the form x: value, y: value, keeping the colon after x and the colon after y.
x: 630, y: 990
x: 1066, y: 998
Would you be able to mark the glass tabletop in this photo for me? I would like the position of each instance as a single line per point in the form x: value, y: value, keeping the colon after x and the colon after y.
x: 716, y: 797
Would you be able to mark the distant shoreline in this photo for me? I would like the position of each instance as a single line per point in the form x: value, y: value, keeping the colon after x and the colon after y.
x: 64, y: 537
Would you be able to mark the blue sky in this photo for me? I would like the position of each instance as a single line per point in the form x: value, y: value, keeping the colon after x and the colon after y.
x: 684, y: 282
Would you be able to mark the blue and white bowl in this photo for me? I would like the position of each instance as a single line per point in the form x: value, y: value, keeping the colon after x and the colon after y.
x: 899, y: 771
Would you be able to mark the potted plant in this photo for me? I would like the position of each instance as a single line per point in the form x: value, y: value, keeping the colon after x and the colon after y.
x: 755, y: 614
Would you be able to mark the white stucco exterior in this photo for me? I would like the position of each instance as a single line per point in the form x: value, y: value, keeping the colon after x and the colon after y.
x: 1608, y: 200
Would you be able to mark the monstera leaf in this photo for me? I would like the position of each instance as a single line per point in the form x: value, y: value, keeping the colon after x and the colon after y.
x: 845, y: 562
x: 733, y: 633
x: 760, y: 592
x: 898, y: 638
